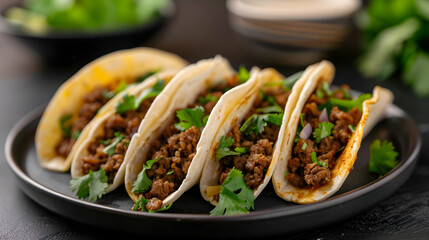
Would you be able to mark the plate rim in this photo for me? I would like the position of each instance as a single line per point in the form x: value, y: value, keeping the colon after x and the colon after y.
x: 203, y: 218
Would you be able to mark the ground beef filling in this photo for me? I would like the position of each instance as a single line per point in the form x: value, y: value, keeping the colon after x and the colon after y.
x: 176, y: 150
x: 127, y: 125
x: 92, y: 103
x: 302, y: 171
x: 256, y: 161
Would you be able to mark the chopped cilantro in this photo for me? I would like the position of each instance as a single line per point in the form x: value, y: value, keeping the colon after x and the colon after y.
x: 189, y: 117
x: 130, y: 102
x: 141, y: 203
x: 110, y: 94
x: 319, y: 163
x: 147, y: 75
x: 93, y: 184
x: 347, y: 105
x: 235, y: 197
x: 110, y: 149
x: 304, y: 146
x: 257, y: 122
x: 382, y: 157
x: 241, y: 150
x: 223, y: 148
x: 291, y: 80
x: 352, y: 128
x: 75, y: 135
x: 323, y: 130
x: 243, y: 75
x: 65, y: 124
x: 207, y: 98
x: 143, y: 183
x: 326, y: 89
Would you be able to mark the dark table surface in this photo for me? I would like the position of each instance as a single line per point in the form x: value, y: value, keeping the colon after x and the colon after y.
x: 200, y: 30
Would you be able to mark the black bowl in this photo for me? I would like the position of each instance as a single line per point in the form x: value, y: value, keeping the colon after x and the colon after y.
x: 66, y: 46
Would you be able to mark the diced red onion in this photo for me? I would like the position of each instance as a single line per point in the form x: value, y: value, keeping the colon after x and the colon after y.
x: 324, y: 116
x: 306, y: 132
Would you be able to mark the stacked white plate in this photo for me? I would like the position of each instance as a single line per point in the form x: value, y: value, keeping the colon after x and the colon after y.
x: 293, y: 32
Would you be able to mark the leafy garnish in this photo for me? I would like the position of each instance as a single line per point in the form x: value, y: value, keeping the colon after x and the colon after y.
x: 223, y: 148
x: 207, y: 98
x: 291, y: 80
x: 243, y: 75
x: 143, y: 183
x: 130, y: 102
x: 347, y: 105
x: 241, y: 150
x: 189, y: 117
x: 110, y: 149
x: 110, y: 94
x: 65, y: 125
x: 323, y: 130
x: 75, y: 134
x: 235, y: 197
x: 319, y: 163
x: 93, y: 184
x: 147, y: 75
x: 382, y: 157
x: 141, y: 203
x: 257, y: 122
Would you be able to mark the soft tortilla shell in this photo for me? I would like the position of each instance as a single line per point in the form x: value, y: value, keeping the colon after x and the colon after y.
x: 344, y: 162
x: 69, y: 97
x: 97, y: 128
x: 242, y: 98
x: 182, y: 91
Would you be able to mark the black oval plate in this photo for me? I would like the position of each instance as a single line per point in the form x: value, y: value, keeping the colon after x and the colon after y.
x: 189, y: 216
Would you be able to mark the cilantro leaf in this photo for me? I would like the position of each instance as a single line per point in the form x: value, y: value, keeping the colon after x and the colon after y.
x: 243, y: 75
x: 382, y: 157
x: 349, y: 104
x: 143, y: 183
x: 141, y: 203
x: 207, y: 98
x: 223, y: 148
x: 110, y: 149
x: 323, y: 130
x: 65, y: 125
x: 147, y: 75
x: 235, y: 197
x: 291, y: 80
x: 319, y: 163
x: 257, y: 122
x: 190, y: 117
x: 93, y: 184
x: 130, y: 102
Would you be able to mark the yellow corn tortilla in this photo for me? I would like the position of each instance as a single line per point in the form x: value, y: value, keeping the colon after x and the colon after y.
x: 243, y: 98
x: 97, y: 128
x: 106, y: 70
x: 182, y: 91
x: 372, y: 112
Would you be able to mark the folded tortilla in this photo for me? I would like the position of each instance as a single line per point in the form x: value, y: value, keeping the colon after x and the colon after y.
x: 182, y: 92
x: 372, y: 111
x: 109, y: 122
x: 233, y: 108
x: 109, y: 70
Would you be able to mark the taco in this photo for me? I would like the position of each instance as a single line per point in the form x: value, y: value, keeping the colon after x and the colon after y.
x: 86, y: 96
x: 100, y: 156
x: 323, y: 136
x: 167, y: 154
x: 244, y: 148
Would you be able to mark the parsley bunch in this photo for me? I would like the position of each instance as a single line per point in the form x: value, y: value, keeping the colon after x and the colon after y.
x: 93, y: 184
x: 235, y: 197
x: 396, y: 41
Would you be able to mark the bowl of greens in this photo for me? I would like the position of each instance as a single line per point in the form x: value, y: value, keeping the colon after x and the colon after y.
x: 83, y: 29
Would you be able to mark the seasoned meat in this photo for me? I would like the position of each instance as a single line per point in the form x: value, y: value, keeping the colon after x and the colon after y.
x: 92, y: 103
x: 126, y: 124
x: 303, y: 170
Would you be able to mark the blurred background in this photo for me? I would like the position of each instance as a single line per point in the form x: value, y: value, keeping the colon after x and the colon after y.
x: 371, y: 42
x: 382, y: 39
